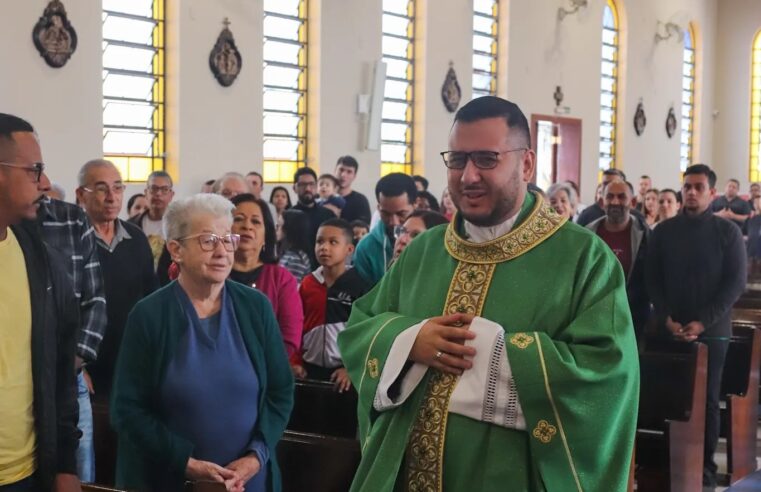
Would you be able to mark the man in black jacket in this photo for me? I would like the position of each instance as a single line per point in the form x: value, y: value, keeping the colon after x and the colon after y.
x: 38, y: 324
x: 696, y: 271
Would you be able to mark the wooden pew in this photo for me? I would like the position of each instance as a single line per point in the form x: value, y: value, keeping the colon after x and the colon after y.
x: 318, y: 409
x: 314, y: 462
x: 739, y: 389
x: 671, y: 423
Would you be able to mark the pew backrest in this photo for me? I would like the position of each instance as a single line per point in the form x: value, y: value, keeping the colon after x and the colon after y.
x: 319, y: 409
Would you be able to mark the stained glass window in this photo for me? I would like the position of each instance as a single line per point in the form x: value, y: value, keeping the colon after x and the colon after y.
x: 285, y: 89
x: 485, y: 47
x: 688, y: 99
x: 755, y: 112
x: 133, y: 86
x: 398, y: 53
x: 609, y: 87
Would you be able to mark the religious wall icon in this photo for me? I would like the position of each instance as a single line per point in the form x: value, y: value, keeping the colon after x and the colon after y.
x: 671, y: 122
x: 640, y: 120
x: 53, y: 35
x: 450, y: 91
x: 558, y: 96
x: 225, y: 60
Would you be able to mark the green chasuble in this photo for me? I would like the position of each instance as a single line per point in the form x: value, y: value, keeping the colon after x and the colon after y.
x: 559, y: 293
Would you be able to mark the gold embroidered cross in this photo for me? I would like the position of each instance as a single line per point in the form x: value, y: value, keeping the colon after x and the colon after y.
x: 521, y: 340
x: 544, y: 431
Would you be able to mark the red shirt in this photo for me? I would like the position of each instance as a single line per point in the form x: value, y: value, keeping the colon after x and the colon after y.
x: 620, y: 243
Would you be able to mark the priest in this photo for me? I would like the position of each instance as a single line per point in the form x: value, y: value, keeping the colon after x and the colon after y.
x: 498, y: 353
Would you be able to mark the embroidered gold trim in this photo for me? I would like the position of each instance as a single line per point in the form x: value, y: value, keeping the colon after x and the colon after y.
x: 555, y: 411
x: 521, y: 340
x: 544, y: 431
x: 367, y: 357
x: 541, y: 223
x: 424, y: 461
x: 372, y: 368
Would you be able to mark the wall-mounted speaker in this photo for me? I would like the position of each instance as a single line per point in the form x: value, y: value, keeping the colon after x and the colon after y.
x: 376, y: 107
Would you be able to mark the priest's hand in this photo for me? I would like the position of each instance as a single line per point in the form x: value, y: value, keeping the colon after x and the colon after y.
x: 440, y: 343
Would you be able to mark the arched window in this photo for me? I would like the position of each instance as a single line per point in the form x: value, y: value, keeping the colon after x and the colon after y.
x: 285, y: 89
x: 688, y: 99
x: 133, y: 86
x: 399, y: 55
x: 755, y: 112
x: 485, y: 29
x: 609, y: 86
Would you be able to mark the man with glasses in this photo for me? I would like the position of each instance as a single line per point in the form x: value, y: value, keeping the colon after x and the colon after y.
x: 396, y: 194
x: 159, y: 193
x: 696, y: 271
x: 38, y: 324
x: 65, y: 227
x: 125, y: 260
x: 498, y: 352
x: 305, y: 186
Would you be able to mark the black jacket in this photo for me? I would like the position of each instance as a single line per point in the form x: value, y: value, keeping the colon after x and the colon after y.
x: 696, y: 271
x: 55, y: 319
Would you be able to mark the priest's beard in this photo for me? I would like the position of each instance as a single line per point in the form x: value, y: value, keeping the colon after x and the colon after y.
x: 504, y: 207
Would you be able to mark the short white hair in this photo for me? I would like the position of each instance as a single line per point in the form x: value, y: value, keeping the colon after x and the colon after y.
x: 84, y: 172
x: 219, y: 184
x: 180, y: 213
x: 557, y: 187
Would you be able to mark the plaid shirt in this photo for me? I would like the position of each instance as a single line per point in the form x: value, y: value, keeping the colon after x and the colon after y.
x: 65, y: 227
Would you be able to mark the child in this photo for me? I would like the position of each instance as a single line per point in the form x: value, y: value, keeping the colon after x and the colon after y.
x: 327, y: 189
x: 327, y: 295
x: 294, y: 244
x: 360, y: 228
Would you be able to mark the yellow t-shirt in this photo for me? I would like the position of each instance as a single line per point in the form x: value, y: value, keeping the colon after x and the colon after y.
x: 17, y: 438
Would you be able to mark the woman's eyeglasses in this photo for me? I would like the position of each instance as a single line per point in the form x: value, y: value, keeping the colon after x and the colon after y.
x: 208, y: 241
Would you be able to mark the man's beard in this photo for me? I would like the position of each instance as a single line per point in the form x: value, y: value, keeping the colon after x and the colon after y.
x: 306, y: 199
x: 617, y: 215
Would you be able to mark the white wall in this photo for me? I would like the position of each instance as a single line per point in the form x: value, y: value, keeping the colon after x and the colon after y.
x: 544, y: 53
x: 214, y: 129
x: 738, y: 23
x: 63, y: 104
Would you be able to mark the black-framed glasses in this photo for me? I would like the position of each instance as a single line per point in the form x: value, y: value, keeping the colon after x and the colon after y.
x: 208, y: 241
x: 483, y: 159
x: 102, y: 189
x: 37, y: 168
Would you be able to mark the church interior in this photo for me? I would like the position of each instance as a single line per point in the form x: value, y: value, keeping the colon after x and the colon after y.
x: 207, y: 89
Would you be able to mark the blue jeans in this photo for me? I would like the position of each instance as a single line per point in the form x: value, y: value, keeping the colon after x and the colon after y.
x: 86, y: 450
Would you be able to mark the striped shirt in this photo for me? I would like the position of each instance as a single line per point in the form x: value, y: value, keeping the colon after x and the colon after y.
x: 297, y: 263
x: 65, y: 227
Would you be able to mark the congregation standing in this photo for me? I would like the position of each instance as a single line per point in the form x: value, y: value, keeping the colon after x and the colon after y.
x: 193, y: 317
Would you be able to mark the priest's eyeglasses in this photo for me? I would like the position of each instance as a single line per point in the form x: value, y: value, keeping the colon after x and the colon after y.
x: 208, y: 241
x: 483, y: 159
x: 37, y: 168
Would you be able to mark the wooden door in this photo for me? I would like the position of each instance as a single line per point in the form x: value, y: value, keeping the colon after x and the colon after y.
x: 557, y: 143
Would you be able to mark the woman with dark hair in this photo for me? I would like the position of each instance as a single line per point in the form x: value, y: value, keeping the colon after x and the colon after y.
x: 426, y: 201
x: 669, y: 204
x: 417, y: 222
x: 136, y: 205
x: 294, y: 244
x: 256, y: 265
x: 280, y: 199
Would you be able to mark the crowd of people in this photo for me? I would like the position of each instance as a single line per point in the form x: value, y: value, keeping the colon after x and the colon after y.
x: 193, y: 316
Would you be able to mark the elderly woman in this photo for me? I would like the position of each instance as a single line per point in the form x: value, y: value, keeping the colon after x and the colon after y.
x: 563, y: 199
x: 256, y: 266
x: 202, y: 389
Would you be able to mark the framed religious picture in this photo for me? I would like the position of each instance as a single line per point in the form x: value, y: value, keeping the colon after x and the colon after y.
x: 671, y: 123
x: 450, y: 91
x: 225, y: 60
x: 53, y: 35
x: 640, y: 120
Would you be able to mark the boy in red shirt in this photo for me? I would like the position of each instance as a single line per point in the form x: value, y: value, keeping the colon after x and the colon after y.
x: 327, y: 295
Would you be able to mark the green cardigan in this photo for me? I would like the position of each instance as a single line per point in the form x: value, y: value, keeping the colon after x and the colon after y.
x: 147, y: 448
